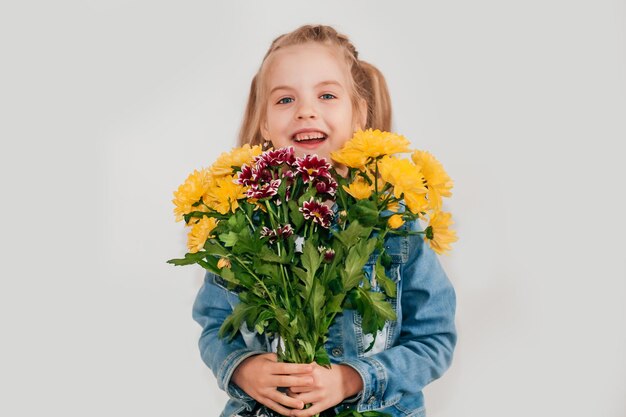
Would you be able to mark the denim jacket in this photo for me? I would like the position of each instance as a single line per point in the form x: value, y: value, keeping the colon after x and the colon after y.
x: 408, y: 353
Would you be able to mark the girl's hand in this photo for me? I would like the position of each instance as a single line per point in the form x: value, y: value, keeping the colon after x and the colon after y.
x: 260, y: 376
x: 329, y: 387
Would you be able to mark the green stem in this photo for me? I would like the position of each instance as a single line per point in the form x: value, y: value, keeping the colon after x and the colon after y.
x: 249, y: 220
x: 259, y: 280
x: 271, y: 213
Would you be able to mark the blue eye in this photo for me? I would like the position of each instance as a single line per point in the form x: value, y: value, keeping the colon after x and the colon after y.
x: 284, y: 98
x: 328, y: 95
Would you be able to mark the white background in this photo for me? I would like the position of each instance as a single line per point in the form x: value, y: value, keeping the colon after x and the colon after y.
x: 106, y: 106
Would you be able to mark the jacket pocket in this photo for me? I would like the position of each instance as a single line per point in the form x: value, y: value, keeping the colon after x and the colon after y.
x: 231, y: 295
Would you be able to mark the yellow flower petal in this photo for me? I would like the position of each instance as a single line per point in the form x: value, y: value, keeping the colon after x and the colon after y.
x: 235, y: 158
x: 359, y: 189
x: 395, y: 221
x: 437, y: 180
x: 369, y: 144
x: 403, y: 175
x: 393, y: 206
x: 443, y: 236
x: 199, y: 233
x: 350, y: 157
x: 223, y: 263
x: 416, y: 202
x: 190, y: 193
x: 223, y: 193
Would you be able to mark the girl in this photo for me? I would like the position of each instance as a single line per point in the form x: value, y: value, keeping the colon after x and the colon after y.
x: 312, y: 92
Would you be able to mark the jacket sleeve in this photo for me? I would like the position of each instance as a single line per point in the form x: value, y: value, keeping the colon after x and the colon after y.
x: 210, y: 309
x: 427, y: 336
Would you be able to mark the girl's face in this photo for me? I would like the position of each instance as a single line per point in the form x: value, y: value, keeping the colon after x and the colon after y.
x: 309, y: 105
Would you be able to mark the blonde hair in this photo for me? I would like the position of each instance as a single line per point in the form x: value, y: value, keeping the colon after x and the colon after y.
x: 367, y: 81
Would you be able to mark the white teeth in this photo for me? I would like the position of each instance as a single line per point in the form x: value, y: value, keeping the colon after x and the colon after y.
x: 309, y: 136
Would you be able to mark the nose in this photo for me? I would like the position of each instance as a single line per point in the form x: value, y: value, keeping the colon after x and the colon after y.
x: 306, y: 110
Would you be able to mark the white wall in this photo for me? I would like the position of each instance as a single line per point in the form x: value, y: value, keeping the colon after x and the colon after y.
x: 107, y: 106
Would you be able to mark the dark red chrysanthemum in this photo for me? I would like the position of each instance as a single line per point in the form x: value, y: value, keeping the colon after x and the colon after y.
x: 326, y: 186
x: 276, y: 157
x: 311, y: 167
x: 245, y: 176
x: 329, y: 255
x: 318, y: 212
x: 263, y: 190
x: 282, y: 232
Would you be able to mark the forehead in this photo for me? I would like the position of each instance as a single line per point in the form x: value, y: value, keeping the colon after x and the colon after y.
x: 300, y: 65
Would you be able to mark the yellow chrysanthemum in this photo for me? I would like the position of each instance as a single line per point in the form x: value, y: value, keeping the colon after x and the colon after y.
x: 223, y: 193
x: 416, y: 202
x: 369, y: 144
x: 403, y: 175
x: 359, y: 189
x: 443, y: 236
x: 395, y: 221
x: 350, y: 157
x: 236, y: 157
x: 438, y: 182
x: 199, y: 233
x: 190, y: 192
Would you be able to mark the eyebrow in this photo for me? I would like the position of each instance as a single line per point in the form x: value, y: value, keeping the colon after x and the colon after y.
x: 328, y: 82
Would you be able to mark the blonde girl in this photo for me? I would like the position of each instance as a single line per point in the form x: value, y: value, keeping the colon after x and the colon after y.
x: 313, y: 92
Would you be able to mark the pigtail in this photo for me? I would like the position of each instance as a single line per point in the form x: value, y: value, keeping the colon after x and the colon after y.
x: 249, y: 131
x: 377, y: 96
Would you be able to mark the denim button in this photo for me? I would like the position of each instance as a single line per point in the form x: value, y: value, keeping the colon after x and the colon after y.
x: 337, y: 351
x: 371, y: 400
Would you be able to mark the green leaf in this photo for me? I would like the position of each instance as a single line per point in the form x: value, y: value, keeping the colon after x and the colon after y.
x: 189, y: 259
x: 334, y: 304
x: 262, y: 320
x: 317, y: 303
x: 387, y: 284
x: 321, y: 357
x: 357, y: 257
x: 211, y: 246
x: 230, y: 239
x: 267, y: 269
x: 247, y: 243
x: 354, y: 233
x: 311, y: 258
x: 295, y: 215
x: 233, y: 322
x: 306, y: 196
x: 229, y: 276
x: 267, y: 254
x: 308, y: 348
x: 365, y: 211
x: 374, y: 309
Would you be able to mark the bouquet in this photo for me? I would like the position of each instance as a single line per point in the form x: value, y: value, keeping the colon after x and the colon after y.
x: 292, y: 234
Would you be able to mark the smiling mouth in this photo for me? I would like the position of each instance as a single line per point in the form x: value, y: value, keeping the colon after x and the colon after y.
x: 312, y: 137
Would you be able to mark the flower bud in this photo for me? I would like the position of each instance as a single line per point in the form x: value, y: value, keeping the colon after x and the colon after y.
x: 395, y: 221
x: 223, y: 263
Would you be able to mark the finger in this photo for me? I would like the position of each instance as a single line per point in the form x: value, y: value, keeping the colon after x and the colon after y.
x: 276, y: 407
x: 290, y: 381
x: 298, y: 390
x: 285, y: 400
x: 283, y: 368
x: 308, y: 412
x: 313, y: 397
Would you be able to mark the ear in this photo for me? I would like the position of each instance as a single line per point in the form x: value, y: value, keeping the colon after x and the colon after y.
x: 264, y: 130
x: 362, y: 120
